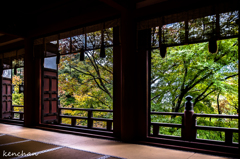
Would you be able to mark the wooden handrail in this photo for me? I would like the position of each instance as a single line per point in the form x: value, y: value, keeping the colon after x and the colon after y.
x: 228, y: 131
x: 84, y: 109
x: 167, y: 113
x: 216, y: 128
x: 168, y: 125
x: 89, y: 117
x: 17, y: 105
x: 216, y: 116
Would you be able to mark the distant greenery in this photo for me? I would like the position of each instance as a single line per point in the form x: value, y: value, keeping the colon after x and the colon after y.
x: 212, y: 80
x: 17, y: 98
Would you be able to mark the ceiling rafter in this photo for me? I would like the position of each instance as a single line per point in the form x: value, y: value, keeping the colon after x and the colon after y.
x: 5, y: 38
x: 114, y: 4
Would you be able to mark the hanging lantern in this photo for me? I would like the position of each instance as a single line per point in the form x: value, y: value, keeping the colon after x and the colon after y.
x: 15, y: 70
x: 162, y: 46
x: 102, y: 50
x: 21, y: 88
x: 58, y: 58
x: 82, y: 54
x: 212, y: 45
x: 163, y: 50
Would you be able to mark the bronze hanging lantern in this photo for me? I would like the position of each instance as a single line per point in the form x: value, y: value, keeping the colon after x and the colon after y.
x: 163, y: 50
x: 212, y: 45
x: 102, y: 50
x: 21, y: 88
x: 82, y: 54
x: 58, y: 58
x: 162, y: 46
x: 15, y: 70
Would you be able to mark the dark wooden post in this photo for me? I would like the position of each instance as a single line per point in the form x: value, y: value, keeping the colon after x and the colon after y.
x: 21, y: 116
x: 117, y: 84
x: 189, y: 132
x: 142, y: 56
x: 228, y: 137
x: 59, y: 115
x: 73, y: 121
x: 31, y: 83
x: 129, y: 80
x: 238, y: 21
x: 1, y: 103
x: 90, y: 121
x: 109, y: 125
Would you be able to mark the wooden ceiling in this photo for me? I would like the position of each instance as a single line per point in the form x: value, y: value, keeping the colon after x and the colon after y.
x: 20, y: 19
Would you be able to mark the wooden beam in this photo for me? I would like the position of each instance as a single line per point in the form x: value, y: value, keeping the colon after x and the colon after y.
x: 148, y: 3
x: 113, y: 4
x: 12, y: 46
x: 5, y: 38
x: 102, y: 12
x: 172, y: 6
x: 11, y: 32
x: 11, y: 41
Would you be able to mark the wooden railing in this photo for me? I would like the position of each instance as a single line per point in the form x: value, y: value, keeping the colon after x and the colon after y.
x: 228, y: 131
x: 189, y: 126
x: 21, y: 114
x: 156, y: 126
x: 89, y: 118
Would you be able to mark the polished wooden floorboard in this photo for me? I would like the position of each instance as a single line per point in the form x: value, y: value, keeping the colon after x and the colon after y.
x: 101, y: 146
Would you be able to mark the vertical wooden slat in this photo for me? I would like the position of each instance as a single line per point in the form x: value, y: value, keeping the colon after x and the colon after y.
x: 50, y: 95
x: 90, y: 121
x: 228, y: 137
x: 21, y: 116
x: 155, y: 130
x: 144, y: 48
x: 59, y: 117
x: 109, y: 125
x: 182, y: 129
x: 29, y: 82
x: 1, y: 100
x: 117, y: 83
x: 73, y: 121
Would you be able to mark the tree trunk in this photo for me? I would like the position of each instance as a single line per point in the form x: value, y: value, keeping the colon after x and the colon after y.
x: 218, y: 105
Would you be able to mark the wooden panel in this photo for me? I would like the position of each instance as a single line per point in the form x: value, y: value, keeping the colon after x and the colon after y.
x: 54, y: 86
x: 46, y: 84
x: 49, y: 96
x: 46, y: 107
x: 6, y: 98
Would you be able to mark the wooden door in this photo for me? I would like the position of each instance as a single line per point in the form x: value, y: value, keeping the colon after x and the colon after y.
x: 50, y: 96
x: 6, y: 98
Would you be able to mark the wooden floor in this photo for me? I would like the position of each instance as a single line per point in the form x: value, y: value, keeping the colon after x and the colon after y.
x: 101, y: 146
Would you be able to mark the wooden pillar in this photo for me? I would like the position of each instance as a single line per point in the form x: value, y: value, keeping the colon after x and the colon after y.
x: 143, y: 90
x: 117, y: 84
x: 129, y: 80
x: 1, y: 71
x: 31, y: 83
x: 189, y: 121
x: 238, y: 79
